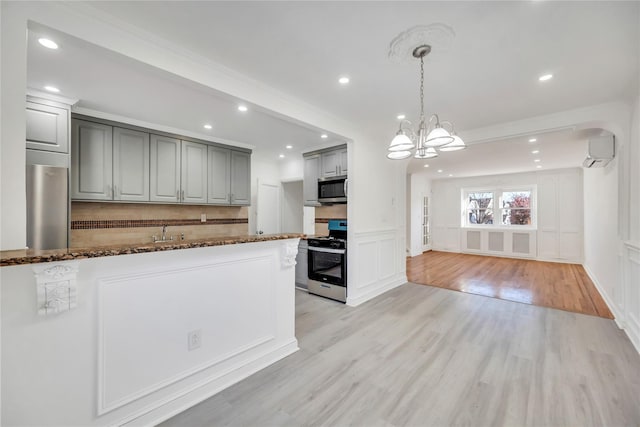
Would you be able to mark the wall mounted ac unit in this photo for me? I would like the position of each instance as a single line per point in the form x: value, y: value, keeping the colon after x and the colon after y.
x: 601, y: 151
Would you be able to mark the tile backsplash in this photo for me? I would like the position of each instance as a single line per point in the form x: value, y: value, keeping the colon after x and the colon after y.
x: 325, y: 213
x: 106, y: 224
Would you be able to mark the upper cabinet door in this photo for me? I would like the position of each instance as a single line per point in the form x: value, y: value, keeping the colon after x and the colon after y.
x: 165, y: 169
x: 47, y: 128
x: 342, y: 166
x: 91, y: 161
x: 240, y: 178
x: 194, y: 173
x: 130, y: 165
x: 219, y: 180
x: 330, y: 164
x: 310, y: 183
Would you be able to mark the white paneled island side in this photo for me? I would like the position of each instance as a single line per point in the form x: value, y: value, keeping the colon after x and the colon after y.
x: 150, y: 334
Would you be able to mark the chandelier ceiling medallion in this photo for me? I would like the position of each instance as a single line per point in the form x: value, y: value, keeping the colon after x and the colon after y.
x: 431, y: 133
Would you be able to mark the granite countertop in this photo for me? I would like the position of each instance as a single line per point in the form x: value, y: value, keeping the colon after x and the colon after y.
x: 31, y: 256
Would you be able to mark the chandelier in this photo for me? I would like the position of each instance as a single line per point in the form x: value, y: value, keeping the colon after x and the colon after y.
x: 431, y: 133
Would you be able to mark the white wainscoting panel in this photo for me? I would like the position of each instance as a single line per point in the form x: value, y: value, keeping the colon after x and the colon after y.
x: 571, y: 246
x: 495, y: 241
x: 387, y: 251
x: 150, y: 316
x: 376, y: 258
x: 548, y: 245
x: 473, y: 240
x: 499, y: 242
x: 632, y: 291
x: 521, y: 243
x: 368, y: 268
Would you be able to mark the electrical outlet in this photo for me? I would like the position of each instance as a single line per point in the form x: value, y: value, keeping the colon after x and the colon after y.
x: 194, y: 339
x: 203, y: 217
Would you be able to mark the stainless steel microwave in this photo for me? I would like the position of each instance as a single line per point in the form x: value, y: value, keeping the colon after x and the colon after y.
x: 333, y: 189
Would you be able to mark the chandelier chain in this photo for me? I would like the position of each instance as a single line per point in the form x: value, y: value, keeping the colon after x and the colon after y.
x: 422, y: 88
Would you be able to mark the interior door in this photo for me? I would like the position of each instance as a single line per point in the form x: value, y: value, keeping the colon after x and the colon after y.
x: 426, y: 226
x: 268, y: 209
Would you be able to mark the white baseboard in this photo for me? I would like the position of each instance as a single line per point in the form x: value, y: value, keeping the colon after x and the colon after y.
x: 376, y: 290
x: 617, y: 316
x: 181, y: 401
x: 629, y: 326
x: 632, y: 330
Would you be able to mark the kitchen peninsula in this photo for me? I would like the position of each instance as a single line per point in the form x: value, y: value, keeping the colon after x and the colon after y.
x: 134, y: 334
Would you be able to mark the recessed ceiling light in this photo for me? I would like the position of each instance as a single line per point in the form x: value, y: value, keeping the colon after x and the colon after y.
x: 426, y: 166
x: 208, y: 126
x: 439, y: 170
x: 324, y: 136
x: 538, y: 167
x: 545, y: 77
x: 281, y: 156
x: 533, y: 140
x: 535, y: 151
x: 48, y: 43
x: 450, y: 174
x: 343, y: 80
x: 401, y: 116
x: 52, y: 89
x: 242, y: 108
x: 289, y: 147
x: 536, y: 160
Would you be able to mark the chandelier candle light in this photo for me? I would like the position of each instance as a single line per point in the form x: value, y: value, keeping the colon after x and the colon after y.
x: 431, y: 133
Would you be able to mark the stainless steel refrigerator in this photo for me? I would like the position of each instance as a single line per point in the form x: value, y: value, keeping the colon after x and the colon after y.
x: 47, y: 206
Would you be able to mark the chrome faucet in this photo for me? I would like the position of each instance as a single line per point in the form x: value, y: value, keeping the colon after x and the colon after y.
x: 163, y: 237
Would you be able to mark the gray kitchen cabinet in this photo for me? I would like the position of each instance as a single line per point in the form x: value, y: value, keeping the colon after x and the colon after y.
x: 302, y: 265
x: 219, y: 181
x: 130, y: 165
x: 47, y: 127
x: 344, y: 162
x: 165, y: 169
x: 109, y: 163
x: 334, y: 162
x: 240, y: 178
x: 91, y: 161
x: 193, y: 187
x: 310, y: 183
x: 229, y: 177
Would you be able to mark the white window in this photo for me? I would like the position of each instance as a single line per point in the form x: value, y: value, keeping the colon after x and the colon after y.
x: 499, y: 207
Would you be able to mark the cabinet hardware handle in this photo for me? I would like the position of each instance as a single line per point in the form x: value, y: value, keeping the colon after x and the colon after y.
x: 115, y: 191
x: 178, y: 195
x: 182, y: 195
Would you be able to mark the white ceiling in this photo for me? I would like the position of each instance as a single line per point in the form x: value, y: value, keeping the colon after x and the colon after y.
x: 488, y: 76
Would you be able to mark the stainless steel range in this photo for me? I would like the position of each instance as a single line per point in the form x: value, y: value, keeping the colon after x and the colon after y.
x: 327, y: 257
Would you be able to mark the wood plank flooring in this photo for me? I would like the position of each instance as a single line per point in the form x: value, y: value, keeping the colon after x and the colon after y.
x: 547, y: 284
x: 425, y: 356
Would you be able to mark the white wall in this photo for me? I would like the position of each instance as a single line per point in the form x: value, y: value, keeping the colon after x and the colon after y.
x: 13, y: 79
x: 376, y: 214
x: 292, y: 207
x: 419, y: 187
x: 292, y: 168
x: 559, y: 233
x: 634, y: 173
x: 601, y: 226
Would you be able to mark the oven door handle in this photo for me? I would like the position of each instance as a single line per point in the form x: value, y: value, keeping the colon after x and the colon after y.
x: 327, y: 250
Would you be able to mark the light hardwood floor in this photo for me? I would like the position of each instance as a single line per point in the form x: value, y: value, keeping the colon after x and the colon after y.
x: 547, y: 284
x: 424, y: 356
